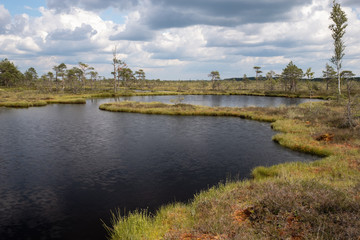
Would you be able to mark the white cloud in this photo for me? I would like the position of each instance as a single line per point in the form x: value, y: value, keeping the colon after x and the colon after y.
x: 133, y: 29
x: 64, y: 35
x: 5, y: 19
x: 183, y: 44
x: 216, y: 38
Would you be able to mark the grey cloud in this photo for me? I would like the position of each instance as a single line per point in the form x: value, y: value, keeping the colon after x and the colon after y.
x: 160, y: 53
x: 233, y: 43
x: 183, y: 13
x: 61, y: 48
x: 351, y: 3
x: 166, y: 56
x: 179, y: 53
x: 80, y: 33
x: 168, y: 18
x: 5, y: 19
x: 95, y: 5
x: 18, y: 24
x: 134, y: 32
x: 160, y: 14
x: 261, y: 52
x: 230, y: 8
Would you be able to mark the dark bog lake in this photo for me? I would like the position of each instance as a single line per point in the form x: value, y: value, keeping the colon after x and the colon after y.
x: 63, y: 168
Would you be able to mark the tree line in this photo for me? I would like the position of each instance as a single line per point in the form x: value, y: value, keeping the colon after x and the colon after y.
x: 75, y: 79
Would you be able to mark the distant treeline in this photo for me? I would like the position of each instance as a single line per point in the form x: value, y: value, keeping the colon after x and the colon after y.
x: 254, y: 79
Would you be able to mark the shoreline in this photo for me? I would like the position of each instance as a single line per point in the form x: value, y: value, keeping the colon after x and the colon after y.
x: 36, y: 99
x: 338, y: 173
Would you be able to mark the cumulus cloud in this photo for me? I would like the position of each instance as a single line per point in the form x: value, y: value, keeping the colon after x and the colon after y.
x: 94, y: 5
x: 160, y: 14
x: 169, y: 37
x: 85, y: 31
x: 19, y: 24
x: 308, y: 30
x: 5, y: 18
x: 182, y: 13
x: 66, y: 34
x: 351, y: 3
x: 133, y: 30
x: 69, y: 37
x: 134, y: 33
x: 184, y: 44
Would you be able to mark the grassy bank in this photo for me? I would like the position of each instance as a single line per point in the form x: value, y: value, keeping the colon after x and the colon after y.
x: 317, y: 200
x: 188, y: 110
x: 19, y: 98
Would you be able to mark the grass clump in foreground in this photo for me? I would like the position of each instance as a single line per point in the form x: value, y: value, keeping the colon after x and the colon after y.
x: 316, y: 200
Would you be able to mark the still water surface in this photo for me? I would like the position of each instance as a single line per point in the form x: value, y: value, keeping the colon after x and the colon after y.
x: 64, y: 167
x: 221, y: 101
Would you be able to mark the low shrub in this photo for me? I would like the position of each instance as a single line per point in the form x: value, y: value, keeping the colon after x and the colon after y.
x: 305, y: 210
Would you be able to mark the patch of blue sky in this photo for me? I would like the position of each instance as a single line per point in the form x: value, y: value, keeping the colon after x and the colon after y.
x: 17, y: 7
x: 112, y: 14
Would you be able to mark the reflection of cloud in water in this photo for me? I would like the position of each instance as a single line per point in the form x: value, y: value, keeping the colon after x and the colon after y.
x: 63, y: 167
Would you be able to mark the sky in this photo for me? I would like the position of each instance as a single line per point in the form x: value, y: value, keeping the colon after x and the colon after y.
x: 176, y: 39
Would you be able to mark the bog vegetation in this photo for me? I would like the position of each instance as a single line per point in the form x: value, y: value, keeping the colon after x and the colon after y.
x: 317, y: 200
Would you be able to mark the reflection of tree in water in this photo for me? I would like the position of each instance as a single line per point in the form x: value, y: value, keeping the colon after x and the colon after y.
x: 216, y: 101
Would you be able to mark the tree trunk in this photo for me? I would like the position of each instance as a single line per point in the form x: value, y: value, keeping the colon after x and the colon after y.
x: 114, y: 77
x: 339, y: 79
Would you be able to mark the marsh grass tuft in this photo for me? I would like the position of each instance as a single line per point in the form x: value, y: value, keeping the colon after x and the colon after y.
x: 141, y: 224
x: 264, y: 172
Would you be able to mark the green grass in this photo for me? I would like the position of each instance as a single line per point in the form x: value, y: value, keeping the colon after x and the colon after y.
x: 142, y: 225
